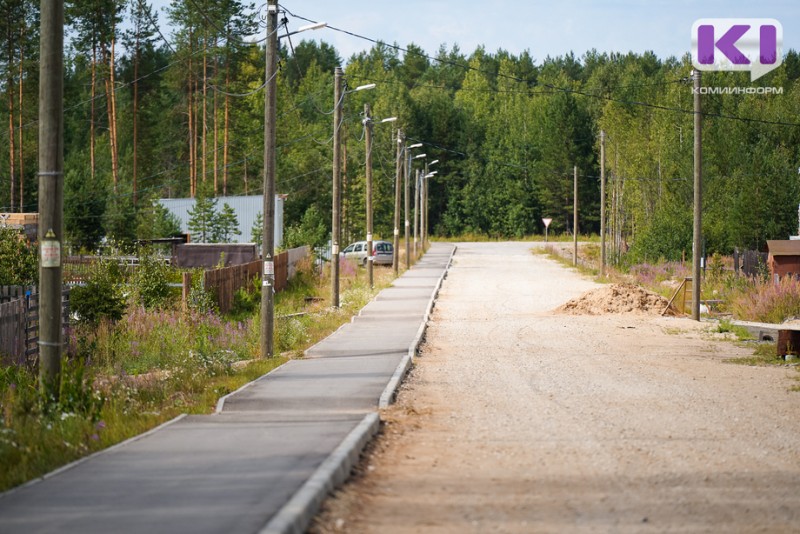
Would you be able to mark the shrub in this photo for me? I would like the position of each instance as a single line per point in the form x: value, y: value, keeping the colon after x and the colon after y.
x: 18, y: 259
x: 768, y: 302
x: 200, y: 300
x: 247, y: 300
x: 101, y: 297
x: 151, y: 281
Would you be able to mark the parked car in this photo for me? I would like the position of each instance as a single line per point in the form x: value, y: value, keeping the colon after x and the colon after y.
x: 382, y: 252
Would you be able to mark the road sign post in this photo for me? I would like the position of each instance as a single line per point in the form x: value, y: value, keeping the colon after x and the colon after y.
x: 546, y: 221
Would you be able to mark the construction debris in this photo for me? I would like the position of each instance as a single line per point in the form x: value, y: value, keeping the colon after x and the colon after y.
x: 616, y: 298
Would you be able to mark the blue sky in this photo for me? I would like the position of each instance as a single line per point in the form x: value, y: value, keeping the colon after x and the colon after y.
x: 544, y: 28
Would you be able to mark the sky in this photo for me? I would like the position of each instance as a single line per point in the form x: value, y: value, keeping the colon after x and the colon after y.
x: 543, y: 28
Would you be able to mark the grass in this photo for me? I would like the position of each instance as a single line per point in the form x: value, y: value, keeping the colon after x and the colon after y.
x: 766, y: 301
x: 726, y: 326
x: 763, y: 355
x: 127, y: 377
x: 97, y: 415
x: 586, y: 254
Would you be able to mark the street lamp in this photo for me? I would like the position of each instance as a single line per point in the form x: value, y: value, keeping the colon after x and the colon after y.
x: 336, y: 226
x: 416, y: 197
x: 407, y: 187
x: 307, y: 27
x: 268, y: 239
x: 368, y: 123
x: 424, y: 202
x: 397, y: 185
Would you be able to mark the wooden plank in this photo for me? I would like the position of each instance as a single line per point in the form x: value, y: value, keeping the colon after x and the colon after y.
x: 12, y: 334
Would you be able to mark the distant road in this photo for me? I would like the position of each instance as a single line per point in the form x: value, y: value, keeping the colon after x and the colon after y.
x: 517, y: 419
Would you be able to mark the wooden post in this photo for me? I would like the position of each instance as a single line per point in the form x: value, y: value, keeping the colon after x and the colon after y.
x: 51, y: 197
x: 187, y: 289
x: 336, y: 227
x: 697, y: 231
x: 575, y: 219
x: 602, y: 203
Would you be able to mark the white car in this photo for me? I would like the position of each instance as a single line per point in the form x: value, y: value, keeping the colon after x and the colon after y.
x: 382, y: 252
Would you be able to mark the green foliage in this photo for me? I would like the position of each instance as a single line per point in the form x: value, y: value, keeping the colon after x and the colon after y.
x: 768, y: 302
x: 247, y: 300
x: 668, y: 236
x: 312, y: 230
x: 208, y: 225
x: 257, y: 230
x: 118, y: 217
x: 226, y: 225
x: 151, y: 280
x: 200, y: 300
x: 19, y: 261
x: 84, y: 204
x: 507, y: 131
x: 203, y: 219
x: 740, y: 332
x: 154, y: 221
x: 101, y: 298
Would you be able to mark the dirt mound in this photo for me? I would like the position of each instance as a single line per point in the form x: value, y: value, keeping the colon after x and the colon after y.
x: 615, y: 298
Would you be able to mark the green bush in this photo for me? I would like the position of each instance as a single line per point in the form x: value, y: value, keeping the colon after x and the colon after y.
x: 18, y: 259
x: 201, y: 300
x: 312, y: 230
x: 247, y: 300
x: 101, y: 297
x: 667, y: 237
x: 151, y: 281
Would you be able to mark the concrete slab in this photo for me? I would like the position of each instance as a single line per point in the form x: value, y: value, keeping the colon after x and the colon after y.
x: 270, y: 455
x: 320, y: 385
x: 209, y: 474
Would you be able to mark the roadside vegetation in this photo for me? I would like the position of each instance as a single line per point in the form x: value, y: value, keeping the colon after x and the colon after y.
x: 135, y: 359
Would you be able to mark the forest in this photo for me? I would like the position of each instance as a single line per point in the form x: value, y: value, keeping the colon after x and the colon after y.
x: 171, y: 104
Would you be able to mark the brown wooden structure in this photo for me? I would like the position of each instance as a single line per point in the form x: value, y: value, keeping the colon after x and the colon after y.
x: 784, y: 259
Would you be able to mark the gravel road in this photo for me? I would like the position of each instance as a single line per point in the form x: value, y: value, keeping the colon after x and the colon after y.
x: 518, y: 419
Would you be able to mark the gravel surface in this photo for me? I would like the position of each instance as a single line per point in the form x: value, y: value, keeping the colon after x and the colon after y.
x: 518, y: 419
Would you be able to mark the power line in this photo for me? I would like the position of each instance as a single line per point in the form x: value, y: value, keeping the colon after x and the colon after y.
x: 146, y: 11
x: 550, y: 86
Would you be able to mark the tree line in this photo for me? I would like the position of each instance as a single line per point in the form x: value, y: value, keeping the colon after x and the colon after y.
x: 152, y: 114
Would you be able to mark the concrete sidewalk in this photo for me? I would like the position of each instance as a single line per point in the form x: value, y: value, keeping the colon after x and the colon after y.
x: 265, y: 461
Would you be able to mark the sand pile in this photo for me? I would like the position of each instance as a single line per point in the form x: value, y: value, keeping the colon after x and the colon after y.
x: 615, y: 298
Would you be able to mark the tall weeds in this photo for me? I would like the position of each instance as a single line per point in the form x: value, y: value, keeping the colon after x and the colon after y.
x: 766, y: 301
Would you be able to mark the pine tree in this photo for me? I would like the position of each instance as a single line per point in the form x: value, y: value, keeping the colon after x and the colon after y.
x: 226, y: 225
x: 202, y: 219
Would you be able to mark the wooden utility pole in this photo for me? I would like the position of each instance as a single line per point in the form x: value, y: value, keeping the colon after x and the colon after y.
x: 368, y: 142
x: 416, y: 211
x: 697, y: 234
x: 397, y: 186
x: 602, y: 203
x: 423, y: 227
x: 51, y: 199
x: 268, y: 239
x: 575, y: 218
x: 406, y: 176
x: 336, y: 226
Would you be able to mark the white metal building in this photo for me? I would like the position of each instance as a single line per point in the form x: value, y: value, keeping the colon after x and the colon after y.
x: 246, y: 208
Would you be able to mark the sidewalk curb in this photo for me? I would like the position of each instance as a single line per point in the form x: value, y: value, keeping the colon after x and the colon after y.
x: 390, y: 392
x: 296, y: 515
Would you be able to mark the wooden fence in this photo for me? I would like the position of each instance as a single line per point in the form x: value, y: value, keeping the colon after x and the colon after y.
x: 12, y: 331
x: 224, y: 283
x: 19, y: 323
